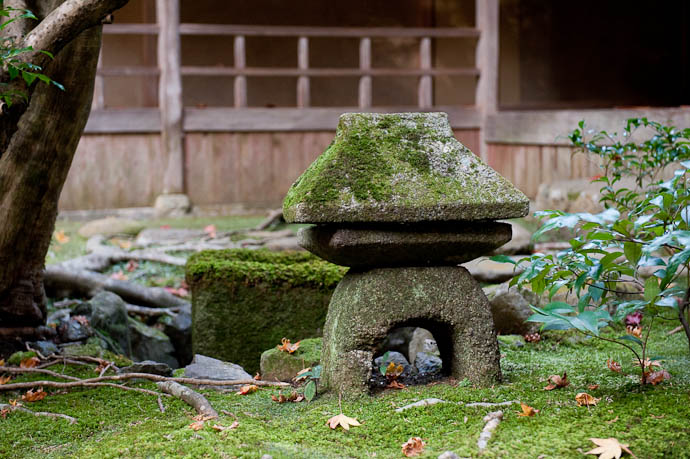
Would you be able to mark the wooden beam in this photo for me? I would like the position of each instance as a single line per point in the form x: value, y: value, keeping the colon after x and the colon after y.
x: 486, y: 98
x: 303, y: 91
x: 170, y: 93
x: 124, y: 121
x: 550, y: 127
x: 314, y: 72
x: 425, y: 96
x: 240, y: 83
x: 293, y: 31
x: 299, y: 119
x: 364, y: 89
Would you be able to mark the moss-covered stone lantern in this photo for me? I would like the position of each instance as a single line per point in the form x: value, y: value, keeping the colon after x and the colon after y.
x: 399, y: 200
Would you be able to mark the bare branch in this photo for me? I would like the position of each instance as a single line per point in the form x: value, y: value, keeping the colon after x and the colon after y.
x: 192, y: 398
x: 37, y: 413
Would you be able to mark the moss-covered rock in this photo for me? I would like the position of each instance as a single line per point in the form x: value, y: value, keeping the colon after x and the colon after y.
x: 246, y: 301
x: 16, y: 358
x: 403, y: 167
x: 447, y: 301
x: 281, y: 366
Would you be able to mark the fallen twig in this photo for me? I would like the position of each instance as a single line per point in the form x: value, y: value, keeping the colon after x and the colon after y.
x: 37, y: 413
x: 59, y: 359
x: 492, y: 420
x: 123, y: 387
x: 675, y: 330
x: 105, y: 369
x: 160, y: 405
x: 425, y: 402
x: 151, y: 312
x: 487, y: 404
x: 150, y: 377
x: 192, y: 398
x: 18, y: 370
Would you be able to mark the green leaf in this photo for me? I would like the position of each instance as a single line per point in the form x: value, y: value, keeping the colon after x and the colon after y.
x: 383, y: 366
x: 503, y: 259
x: 632, y: 338
x: 651, y: 288
x: 633, y: 252
x: 310, y: 390
x: 29, y: 77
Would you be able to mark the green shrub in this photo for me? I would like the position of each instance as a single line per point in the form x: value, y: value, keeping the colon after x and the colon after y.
x: 639, y: 243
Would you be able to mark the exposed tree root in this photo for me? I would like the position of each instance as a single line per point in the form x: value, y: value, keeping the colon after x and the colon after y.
x: 425, y: 402
x: 37, y: 413
x: 151, y: 312
x: 89, y: 283
x: 192, y: 398
x: 492, y: 420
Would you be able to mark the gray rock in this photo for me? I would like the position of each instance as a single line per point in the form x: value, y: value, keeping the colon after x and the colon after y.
x: 398, y: 340
x: 59, y: 316
x: 448, y: 455
x: 520, y: 243
x: 399, y: 167
x: 492, y: 272
x: 164, y: 236
x: 150, y: 367
x: 203, y: 367
x: 46, y: 348
x: 179, y: 330
x: 73, y: 330
x: 428, y: 363
x: 110, y: 226
x: 510, y: 307
x: 398, y: 359
x: 109, y: 315
x: 421, y: 341
x: 283, y: 243
x: 413, y: 245
x: 149, y: 343
x: 171, y: 205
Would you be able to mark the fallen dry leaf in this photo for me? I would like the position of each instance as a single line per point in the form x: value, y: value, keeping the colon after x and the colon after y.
x: 287, y: 346
x: 294, y: 397
x: 220, y: 428
x: 527, y: 410
x: 656, y: 377
x: 635, y: 330
x: 613, y: 365
x: 197, y: 425
x: 119, y: 275
x: 181, y: 291
x: 658, y: 417
x: 14, y: 402
x: 32, y: 396
x: 132, y: 266
x: 300, y: 374
x: 532, y: 337
x: 556, y: 381
x: 257, y: 377
x: 248, y: 389
x: 343, y: 421
x: 82, y: 320
x: 608, y: 448
x: 5, y: 379
x: 61, y: 237
x: 647, y: 363
x: 3, y: 413
x: 413, y: 446
x: 210, y: 231
x: 2, y: 362
x: 584, y: 399
x: 393, y: 370
x: 29, y: 362
x: 395, y: 385
x: 593, y: 387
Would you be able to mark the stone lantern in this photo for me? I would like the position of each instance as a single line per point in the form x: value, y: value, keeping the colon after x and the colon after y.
x: 401, y: 202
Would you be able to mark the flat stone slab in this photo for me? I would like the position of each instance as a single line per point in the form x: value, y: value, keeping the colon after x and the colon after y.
x: 412, y: 245
x: 404, y: 167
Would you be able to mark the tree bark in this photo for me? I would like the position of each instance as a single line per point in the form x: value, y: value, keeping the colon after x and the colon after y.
x: 37, y: 144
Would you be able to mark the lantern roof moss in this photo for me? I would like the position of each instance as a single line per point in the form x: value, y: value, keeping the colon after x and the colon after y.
x: 399, y: 168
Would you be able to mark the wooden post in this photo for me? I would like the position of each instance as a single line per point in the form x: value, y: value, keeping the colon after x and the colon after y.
x: 364, y: 91
x: 486, y: 98
x: 170, y: 93
x: 240, y: 80
x: 425, y: 95
x: 303, y: 64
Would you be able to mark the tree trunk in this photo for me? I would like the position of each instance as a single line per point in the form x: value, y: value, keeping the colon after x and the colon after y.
x: 33, y: 169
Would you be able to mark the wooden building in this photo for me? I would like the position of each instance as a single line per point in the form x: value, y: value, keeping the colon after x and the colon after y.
x: 229, y: 101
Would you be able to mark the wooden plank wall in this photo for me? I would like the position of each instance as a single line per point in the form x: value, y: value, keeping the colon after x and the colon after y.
x: 250, y: 168
x: 114, y: 170
x: 527, y: 166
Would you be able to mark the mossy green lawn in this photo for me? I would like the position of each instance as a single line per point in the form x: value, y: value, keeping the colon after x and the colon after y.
x: 652, y: 420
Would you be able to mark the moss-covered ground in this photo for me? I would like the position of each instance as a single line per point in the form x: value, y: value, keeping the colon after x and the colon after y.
x: 654, y: 420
